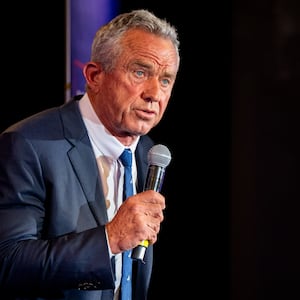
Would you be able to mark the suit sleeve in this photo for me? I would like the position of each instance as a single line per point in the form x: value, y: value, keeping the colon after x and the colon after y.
x: 31, y: 259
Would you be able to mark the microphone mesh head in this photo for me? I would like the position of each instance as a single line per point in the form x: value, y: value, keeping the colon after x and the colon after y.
x: 159, y: 155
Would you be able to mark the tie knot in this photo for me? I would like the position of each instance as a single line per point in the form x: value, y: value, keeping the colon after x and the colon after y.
x: 126, y: 157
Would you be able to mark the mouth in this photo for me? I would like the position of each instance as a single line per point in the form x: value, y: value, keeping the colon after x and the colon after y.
x: 145, y: 114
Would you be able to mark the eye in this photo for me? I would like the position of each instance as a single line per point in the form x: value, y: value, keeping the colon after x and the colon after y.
x: 165, y: 82
x: 140, y: 73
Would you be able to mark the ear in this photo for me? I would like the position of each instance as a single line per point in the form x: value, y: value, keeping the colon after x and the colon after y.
x: 91, y: 72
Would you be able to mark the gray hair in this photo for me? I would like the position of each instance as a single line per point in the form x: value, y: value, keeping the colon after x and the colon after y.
x: 106, y: 44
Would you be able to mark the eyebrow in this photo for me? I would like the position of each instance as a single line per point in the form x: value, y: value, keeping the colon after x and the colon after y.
x: 150, y: 68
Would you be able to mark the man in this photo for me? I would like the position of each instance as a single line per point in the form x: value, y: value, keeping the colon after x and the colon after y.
x: 64, y: 224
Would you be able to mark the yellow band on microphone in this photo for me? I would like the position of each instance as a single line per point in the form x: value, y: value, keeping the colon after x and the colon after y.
x: 145, y: 243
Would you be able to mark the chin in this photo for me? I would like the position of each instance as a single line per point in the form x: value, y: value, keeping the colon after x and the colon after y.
x: 142, y: 129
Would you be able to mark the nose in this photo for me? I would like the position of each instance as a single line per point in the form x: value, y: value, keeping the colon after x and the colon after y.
x: 152, y: 90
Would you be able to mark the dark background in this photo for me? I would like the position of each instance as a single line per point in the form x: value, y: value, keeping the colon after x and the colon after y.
x: 231, y: 228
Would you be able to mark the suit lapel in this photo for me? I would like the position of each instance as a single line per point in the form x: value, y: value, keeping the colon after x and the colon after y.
x: 142, y: 166
x: 83, y: 160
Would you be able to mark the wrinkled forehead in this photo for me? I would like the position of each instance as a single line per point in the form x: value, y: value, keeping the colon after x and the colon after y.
x: 148, y: 46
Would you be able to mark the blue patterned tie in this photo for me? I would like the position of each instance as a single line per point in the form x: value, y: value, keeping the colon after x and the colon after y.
x: 126, y: 159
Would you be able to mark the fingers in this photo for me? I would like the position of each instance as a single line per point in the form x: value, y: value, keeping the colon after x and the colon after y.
x: 155, y: 213
x: 155, y: 230
x: 151, y: 197
x: 137, y: 219
x: 148, y: 224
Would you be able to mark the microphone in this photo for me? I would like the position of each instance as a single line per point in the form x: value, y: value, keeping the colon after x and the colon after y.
x: 159, y: 158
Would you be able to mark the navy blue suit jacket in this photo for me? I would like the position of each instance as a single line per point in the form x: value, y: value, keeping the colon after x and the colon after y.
x: 52, y: 211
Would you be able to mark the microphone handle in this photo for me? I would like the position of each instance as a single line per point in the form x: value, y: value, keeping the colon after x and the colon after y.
x: 154, y: 182
x: 154, y: 178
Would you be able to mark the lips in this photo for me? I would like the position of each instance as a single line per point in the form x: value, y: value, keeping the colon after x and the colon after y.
x: 145, y: 114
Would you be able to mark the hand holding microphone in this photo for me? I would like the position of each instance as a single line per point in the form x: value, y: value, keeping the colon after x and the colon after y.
x: 159, y: 158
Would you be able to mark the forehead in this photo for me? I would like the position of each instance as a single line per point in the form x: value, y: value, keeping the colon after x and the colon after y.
x: 145, y: 45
